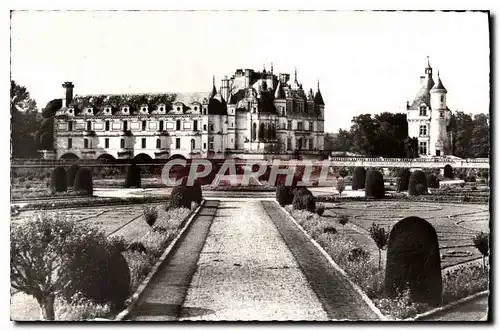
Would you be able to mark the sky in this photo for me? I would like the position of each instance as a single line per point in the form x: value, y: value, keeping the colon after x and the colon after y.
x: 366, y: 62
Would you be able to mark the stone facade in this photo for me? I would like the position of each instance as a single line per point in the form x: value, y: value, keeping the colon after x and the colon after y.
x: 429, y: 117
x: 251, y: 113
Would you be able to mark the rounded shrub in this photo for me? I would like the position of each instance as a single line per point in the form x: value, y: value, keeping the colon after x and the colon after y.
x: 432, y: 181
x: 71, y: 174
x: 374, y: 186
x: 470, y: 179
x: 137, y: 247
x: 101, y: 275
x: 83, y: 181
x: 403, y: 179
x: 358, y: 178
x: 413, y: 261
x: 304, y: 200
x: 448, y: 171
x: 418, y: 183
x: 58, y: 180
x: 195, y: 193
x: 179, y: 198
x: 133, y: 177
x: 284, y: 194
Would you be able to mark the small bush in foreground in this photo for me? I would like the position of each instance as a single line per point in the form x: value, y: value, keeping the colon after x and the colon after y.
x: 284, y: 195
x: 340, y: 185
x: 118, y: 243
x: 464, y: 281
x: 80, y: 310
x: 139, y: 265
x: 137, y: 247
x: 330, y: 229
x: 401, y: 306
x: 304, y: 200
x: 403, y: 180
x: 150, y: 214
x: 380, y: 236
x: 179, y: 198
x: 320, y: 210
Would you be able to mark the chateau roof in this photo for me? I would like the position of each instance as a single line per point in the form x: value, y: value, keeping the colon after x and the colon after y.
x: 423, y: 96
x: 279, y: 94
x: 318, y: 98
x: 439, y: 85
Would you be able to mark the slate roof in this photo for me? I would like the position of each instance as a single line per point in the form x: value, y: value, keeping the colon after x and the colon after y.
x: 318, y: 98
x: 423, y: 96
x: 439, y: 86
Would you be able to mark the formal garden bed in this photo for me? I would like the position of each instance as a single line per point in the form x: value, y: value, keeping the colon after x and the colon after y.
x: 352, y: 252
x: 136, y: 235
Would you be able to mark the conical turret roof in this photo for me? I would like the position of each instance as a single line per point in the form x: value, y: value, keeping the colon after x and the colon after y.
x: 439, y: 85
x: 279, y: 93
x: 318, y: 98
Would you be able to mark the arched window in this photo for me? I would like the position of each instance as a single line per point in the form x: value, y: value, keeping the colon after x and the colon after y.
x: 158, y: 143
x: 122, y: 143
x: 254, y: 131
x: 193, y: 144
x: 261, y: 131
x: 85, y: 143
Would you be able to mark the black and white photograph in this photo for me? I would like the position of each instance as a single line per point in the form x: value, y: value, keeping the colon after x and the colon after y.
x: 250, y: 165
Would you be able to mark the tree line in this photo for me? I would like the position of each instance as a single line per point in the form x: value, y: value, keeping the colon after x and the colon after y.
x: 386, y: 135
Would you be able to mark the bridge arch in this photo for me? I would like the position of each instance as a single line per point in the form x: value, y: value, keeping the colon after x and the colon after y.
x: 69, y: 156
x: 143, y: 158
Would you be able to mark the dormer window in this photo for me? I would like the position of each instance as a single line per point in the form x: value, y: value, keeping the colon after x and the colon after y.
x: 107, y: 110
x: 423, y: 110
x: 178, y: 108
x: 125, y: 110
x: 144, y: 109
x: 195, y: 108
x: 89, y: 111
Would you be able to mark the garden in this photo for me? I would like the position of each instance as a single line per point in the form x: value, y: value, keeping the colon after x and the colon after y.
x: 368, y: 238
x: 86, y: 263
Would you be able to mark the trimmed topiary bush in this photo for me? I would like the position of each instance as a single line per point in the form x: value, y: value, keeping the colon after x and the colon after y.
x: 320, y: 210
x: 448, y: 171
x: 374, y: 186
x: 83, y: 181
x: 179, y: 198
x: 403, y: 180
x: 101, y: 275
x: 413, y: 261
x: 284, y: 195
x: 432, y: 181
x: 358, y: 178
x: 195, y: 193
x: 304, y: 200
x: 71, y: 174
x: 418, y: 183
x: 470, y: 179
x: 343, y: 172
x: 133, y: 177
x: 58, y: 180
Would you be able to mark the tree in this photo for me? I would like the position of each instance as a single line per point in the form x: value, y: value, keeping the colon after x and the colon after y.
x: 343, y: 220
x: 40, y: 255
x: 411, y: 147
x: 380, y: 237
x: 481, y: 242
x: 340, y: 185
x: 24, y: 122
x: 338, y: 142
x: 480, y: 144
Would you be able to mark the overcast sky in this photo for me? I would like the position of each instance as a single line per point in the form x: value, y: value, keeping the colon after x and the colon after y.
x: 365, y: 61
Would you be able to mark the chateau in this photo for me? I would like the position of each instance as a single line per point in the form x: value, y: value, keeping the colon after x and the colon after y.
x: 429, y: 117
x: 251, y: 115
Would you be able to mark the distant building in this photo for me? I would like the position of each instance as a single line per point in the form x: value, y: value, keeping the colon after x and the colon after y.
x: 252, y: 113
x: 429, y: 117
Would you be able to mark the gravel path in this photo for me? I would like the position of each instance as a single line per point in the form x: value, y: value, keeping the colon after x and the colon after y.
x: 246, y: 272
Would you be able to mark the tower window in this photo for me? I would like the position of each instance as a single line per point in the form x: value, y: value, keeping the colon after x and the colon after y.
x: 423, y: 130
x: 125, y: 125
x: 143, y: 143
x: 289, y: 125
x: 70, y: 143
x: 161, y: 125
x: 442, y: 98
x: 70, y: 126
x: 441, y: 114
x: 89, y: 126
x: 143, y: 125
x: 122, y: 143
x: 193, y: 144
x: 195, y: 125
x: 106, y: 143
x: 178, y: 125
x: 158, y: 143
x: 107, y: 125
x: 177, y: 143
x: 423, y: 148
x: 85, y: 143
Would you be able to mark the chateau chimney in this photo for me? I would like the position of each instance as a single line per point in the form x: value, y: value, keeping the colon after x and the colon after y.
x: 248, y: 73
x: 68, y: 95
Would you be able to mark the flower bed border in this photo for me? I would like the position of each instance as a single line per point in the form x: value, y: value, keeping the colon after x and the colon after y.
x: 356, y: 288
x: 423, y: 198
x: 91, y: 202
x: 166, y: 254
x: 446, y: 307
